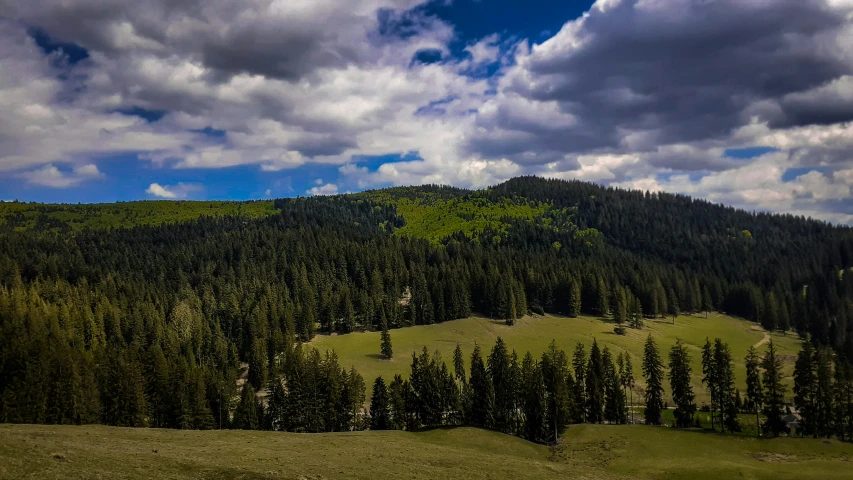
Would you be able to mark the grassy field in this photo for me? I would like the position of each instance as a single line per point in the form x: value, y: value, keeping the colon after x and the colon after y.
x: 533, y: 334
x: 586, y: 451
x: 27, y: 216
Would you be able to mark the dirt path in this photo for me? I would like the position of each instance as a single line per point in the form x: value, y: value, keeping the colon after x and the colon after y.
x: 763, y: 340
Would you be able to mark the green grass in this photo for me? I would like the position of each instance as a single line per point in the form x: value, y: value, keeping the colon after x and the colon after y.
x: 27, y: 216
x: 533, y: 334
x: 586, y: 452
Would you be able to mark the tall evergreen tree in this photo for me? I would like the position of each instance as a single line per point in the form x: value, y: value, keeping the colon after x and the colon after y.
x: 579, y: 366
x: 710, y: 378
x: 500, y: 374
x: 386, y: 348
x: 614, y: 406
x: 653, y: 373
x: 805, y: 390
x: 595, y: 385
x: 774, y: 391
x: 555, y: 372
x: 482, y: 392
x: 754, y: 391
x: 380, y: 413
x: 534, y: 406
x: 679, y: 380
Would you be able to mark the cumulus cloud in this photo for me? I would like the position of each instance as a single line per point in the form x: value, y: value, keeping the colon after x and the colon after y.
x: 327, y: 189
x: 178, y: 191
x: 51, y: 176
x: 646, y: 93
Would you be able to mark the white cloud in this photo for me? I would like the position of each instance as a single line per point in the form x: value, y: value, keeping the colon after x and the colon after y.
x: 51, y: 176
x: 268, y: 192
x: 327, y: 189
x: 178, y: 191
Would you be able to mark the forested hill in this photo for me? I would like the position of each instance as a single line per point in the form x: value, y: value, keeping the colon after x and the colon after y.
x: 146, y: 325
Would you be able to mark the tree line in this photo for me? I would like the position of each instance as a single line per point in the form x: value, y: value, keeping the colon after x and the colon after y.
x: 149, y: 325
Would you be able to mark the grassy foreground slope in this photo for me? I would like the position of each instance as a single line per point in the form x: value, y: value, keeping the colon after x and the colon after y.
x: 33, y: 216
x: 586, y: 451
x: 533, y: 334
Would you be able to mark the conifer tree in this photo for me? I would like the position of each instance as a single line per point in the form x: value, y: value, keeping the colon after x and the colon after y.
x: 614, y: 405
x: 397, y: 394
x: 574, y: 298
x: 482, y: 392
x: 754, y: 391
x: 500, y: 374
x: 653, y: 373
x: 679, y: 380
x: 385, y: 348
x: 534, y: 406
x: 595, y: 385
x: 247, y: 416
x: 459, y: 365
x: 824, y: 397
x: 725, y: 387
x: 380, y: 413
x: 710, y: 378
x: 774, y: 391
x: 555, y: 372
x: 628, y: 382
x: 805, y: 390
x: 579, y: 366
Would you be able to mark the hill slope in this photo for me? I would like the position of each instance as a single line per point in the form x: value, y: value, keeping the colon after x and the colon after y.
x: 586, y: 451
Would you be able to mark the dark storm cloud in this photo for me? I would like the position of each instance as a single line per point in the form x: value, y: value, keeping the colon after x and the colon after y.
x: 284, y: 41
x: 678, y: 72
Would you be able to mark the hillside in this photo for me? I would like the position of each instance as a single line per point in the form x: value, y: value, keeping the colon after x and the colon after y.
x: 586, y: 451
x: 534, y: 333
x: 148, y: 325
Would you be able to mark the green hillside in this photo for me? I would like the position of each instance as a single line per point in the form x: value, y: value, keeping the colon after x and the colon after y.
x: 586, y: 451
x: 19, y: 216
x: 534, y: 333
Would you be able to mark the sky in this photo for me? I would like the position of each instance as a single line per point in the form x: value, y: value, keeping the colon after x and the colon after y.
x: 747, y: 103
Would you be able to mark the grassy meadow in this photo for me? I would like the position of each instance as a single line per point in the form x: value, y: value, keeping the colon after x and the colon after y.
x: 585, y: 452
x: 534, y: 333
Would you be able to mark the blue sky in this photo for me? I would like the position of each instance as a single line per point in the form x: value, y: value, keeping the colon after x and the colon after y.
x: 268, y: 98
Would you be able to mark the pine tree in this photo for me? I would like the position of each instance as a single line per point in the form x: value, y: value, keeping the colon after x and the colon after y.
x: 614, y: 405
x: 397, y: 395
x: 500, y: 375
x: 754, y: 391
x: 385, y: 348
x: 246, y: 417
x: 774, y: 391
x: 710, y: 378
x: 380, y: 413
x: 579, y: 366
x: 574, y: 299
x: 555, y: 372
x: 534, y: 406
x: 824, y: 397
x: 653, y: 373
x: 595, y: 385
x: 459, y: 365
x: 482, y: 392
x: 805, y: 390
x: 725, y: 386
x: 682, y: 390
x: 628, y: 382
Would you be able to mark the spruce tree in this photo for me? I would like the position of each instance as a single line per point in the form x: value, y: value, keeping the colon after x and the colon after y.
x: 614, y: 405
x: 482, y: 392
x: 574, y: 298
x: 653, y: 373
x: 824, y: 397
x: 579, y: 393
x: 710, y: 378
x: 380, y: 413
x: 805, y: 387
x: 555, y: 372
x: 500, y: 374
x: 459, y: 365
x: 385, y: 348
x: 725, y: 386
x: 534, y: 394
x: 595, y: 385
x: 247, y: 416
x: 774, y: 391
x: 682, y: 390
x: 628, y: 382
x: 754, y: 391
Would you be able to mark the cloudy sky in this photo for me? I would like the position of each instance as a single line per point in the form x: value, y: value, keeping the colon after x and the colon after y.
x: 745, y: 102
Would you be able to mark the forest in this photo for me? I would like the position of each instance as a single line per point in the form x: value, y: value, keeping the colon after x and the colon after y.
x: 147, y: 325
